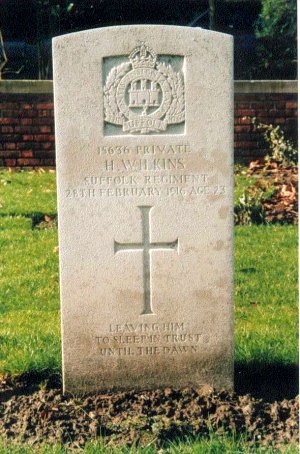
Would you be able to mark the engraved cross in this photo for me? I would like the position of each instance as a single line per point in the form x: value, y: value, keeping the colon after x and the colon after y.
x: 146, y: 246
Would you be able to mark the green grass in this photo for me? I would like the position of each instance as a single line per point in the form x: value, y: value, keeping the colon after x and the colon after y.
x: 214, y: 444
x: 27, y: 192
x: 29, y: 301
x: 266, y: 294
x: 266, y: 315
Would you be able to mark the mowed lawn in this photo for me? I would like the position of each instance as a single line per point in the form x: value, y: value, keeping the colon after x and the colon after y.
x: 266, y: 313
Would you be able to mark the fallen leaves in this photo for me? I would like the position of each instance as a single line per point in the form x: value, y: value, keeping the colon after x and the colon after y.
x: 46, y: 221
x: 282, y: 206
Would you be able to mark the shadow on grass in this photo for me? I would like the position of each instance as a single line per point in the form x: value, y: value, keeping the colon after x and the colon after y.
x: 28, y: 383
x: 38, y: 219
x: 267, y: 381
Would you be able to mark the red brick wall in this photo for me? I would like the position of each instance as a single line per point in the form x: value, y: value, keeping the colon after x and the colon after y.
x: 269, y: 108
x: 26, y: 130
x: 27, y: 126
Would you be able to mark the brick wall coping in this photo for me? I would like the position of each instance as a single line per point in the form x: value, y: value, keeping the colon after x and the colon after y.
x: 26, y: 86
x: 240, y: 86
x: 266, y: 86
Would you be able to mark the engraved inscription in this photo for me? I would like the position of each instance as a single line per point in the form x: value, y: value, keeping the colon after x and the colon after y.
x: 144, y: 95
x: 172, y: 185
x: 137, y: 165
x: 144, y: 339
x: 146, y: 246
x: 127, y: 171
x: 144, y: 150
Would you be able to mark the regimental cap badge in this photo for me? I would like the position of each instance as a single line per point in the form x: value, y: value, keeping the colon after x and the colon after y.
x: 144, y: 95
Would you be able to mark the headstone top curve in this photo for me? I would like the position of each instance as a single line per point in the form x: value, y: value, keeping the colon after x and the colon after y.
x: 153, y: 27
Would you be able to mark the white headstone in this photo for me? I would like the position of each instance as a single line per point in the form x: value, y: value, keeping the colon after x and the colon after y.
x: 144, y: 141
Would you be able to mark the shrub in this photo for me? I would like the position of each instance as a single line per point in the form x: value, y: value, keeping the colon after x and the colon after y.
x: 249, y: 209
x: 282, y: 150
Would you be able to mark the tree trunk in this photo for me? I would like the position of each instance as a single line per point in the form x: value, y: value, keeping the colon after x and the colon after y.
x: 212, y: 11
x: 3, y: 57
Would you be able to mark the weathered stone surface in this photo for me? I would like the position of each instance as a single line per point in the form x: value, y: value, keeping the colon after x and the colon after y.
x: 144, y: 158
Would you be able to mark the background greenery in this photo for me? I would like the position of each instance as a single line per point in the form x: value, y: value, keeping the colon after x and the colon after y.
x: 265, y: 38
x: 276, y: 31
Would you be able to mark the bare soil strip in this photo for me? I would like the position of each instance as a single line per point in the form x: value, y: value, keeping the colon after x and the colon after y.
x: 32, y: 414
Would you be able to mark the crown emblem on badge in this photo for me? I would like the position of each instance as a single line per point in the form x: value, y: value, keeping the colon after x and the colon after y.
x: 142, y: 57
x: 144, y: 95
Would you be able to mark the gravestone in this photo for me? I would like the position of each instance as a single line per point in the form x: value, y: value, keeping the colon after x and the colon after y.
x: 143, y: 118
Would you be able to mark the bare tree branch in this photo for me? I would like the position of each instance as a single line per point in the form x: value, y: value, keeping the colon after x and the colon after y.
x: 3, y: 57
